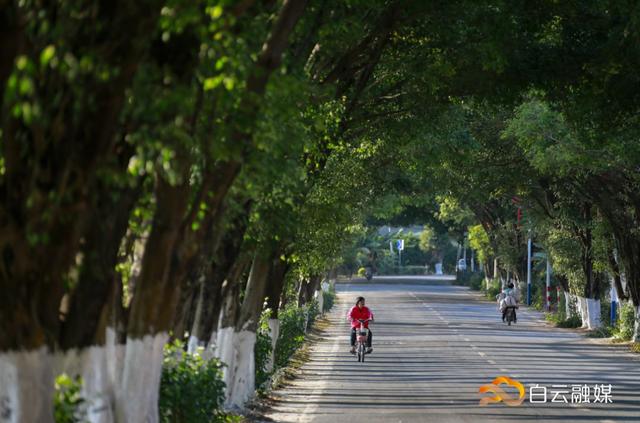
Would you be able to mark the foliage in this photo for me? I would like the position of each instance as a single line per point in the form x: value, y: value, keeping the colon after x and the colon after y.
x: 479, y: 241
x: 68, y: 402
x: 294, y: 321
x: 561, y: 321
x: 625, y: 322
x: 191, y: 389
x: 262, y: 348
x: 495, y: 288
x: 329, y: 298
x: 474, y: 280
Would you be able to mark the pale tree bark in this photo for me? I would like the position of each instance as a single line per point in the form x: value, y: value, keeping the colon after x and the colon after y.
x: 151, y: 310
x: 242, y: 370
x: 226, y: 343
x: 47, y: 188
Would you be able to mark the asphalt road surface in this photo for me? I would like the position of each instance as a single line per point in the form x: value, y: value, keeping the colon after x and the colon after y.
x: 435, y: 345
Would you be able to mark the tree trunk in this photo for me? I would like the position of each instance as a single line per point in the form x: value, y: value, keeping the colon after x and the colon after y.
x: 151, y: 310
x: 275, y: 285
x: 227, y: 340
x: 242, y: 379
x: 96, y: 283
x: 615, y: 272
x: 26, y: 391
x: 636, y: 325
x: 219, y: 269
x: 275, y: 288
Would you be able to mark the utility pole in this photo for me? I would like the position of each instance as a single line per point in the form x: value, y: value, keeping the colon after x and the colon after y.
x: 529, y: 271
x: 614, y: 303
x: 548, y: 283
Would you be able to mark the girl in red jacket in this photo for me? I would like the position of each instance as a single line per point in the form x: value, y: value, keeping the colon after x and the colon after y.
x: 359, y: 311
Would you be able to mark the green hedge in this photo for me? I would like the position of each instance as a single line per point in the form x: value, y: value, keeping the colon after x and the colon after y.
x: 262, y: 348
x: 293, y: 321
x: 328, y: 299
x: 625, y: 322
x: 191, y: 389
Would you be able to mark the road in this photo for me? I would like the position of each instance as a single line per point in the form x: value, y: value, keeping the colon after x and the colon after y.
x: 435, y: 345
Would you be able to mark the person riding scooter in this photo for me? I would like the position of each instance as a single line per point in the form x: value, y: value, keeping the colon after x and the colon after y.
x: 360, y: 312
x: 507, y: 298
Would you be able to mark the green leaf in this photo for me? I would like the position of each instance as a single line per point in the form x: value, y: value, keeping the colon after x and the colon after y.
x: 47, y: 54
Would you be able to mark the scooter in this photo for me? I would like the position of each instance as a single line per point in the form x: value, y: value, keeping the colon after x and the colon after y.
x: 510, y: 315
x: 368, y: 273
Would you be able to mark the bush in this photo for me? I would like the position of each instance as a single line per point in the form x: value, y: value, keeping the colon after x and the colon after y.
x: 559, y: 320
x: 191, y: 389
x: 294, y: 321
x: 262, y: 348
x: 406, y: 270
x: 328, y: 300
x: 361, y: 272
x: 474, y: 280
x: 67, y: 402
x: 495, y: 287
x: 625, y: 322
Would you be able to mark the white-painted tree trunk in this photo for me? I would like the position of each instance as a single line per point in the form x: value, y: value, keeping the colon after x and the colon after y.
x: 243, y: 373
x: 636, y: 325
x: 582, y: 311
x: 193, y: 344
x: 274, y: 332
x: 210, y: 348
x: 26, y: 386
x: 320, y: 298
x: 98, y: 383
x: 137, y: 394
x: 225, y: 352
x: 236, y: 350
x: 567, y: 304
x: 593, y: 311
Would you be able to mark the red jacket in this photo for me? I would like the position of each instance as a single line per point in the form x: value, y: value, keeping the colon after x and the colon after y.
x: 356, y: 313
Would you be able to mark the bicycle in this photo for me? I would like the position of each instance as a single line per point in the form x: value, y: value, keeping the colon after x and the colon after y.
x: 361, y: 341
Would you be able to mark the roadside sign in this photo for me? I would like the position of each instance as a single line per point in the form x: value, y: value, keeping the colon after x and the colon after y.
x: 400, y: 244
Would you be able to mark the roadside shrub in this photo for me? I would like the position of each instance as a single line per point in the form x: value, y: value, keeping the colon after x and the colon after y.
x: 361, y: 272
x: 262, y: 348
x: 474, y: 280
x: 329, y: 298
x: 68, y: 405
x: 625, y: 322
x: 494, y: 289
x: 559, y: 320
x: 407, y: 270
x: 294, y: 321
x: 191, y: 389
